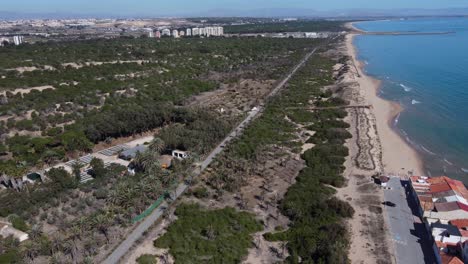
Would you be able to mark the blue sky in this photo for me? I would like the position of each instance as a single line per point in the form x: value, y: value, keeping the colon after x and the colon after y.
x: 182, y: 6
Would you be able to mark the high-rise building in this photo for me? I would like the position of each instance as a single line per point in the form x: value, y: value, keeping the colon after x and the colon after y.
x: 4, y: 41
x: 151, y: 34
x: 158, y: 34
x: 209, y: 31
x: 181, y: 33
x: 202, y: 32
x: 220, y: 31
x: 18, y: 40
x: 175, y: 33
x: 166, y: 32
x: 188, y: 32
x: 195, y: 31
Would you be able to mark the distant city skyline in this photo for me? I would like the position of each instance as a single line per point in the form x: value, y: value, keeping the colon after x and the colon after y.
x: 191, y: 7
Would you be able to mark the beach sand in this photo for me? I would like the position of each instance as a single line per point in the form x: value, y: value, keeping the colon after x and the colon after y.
x: 376, y: 148
x: 397, y: 156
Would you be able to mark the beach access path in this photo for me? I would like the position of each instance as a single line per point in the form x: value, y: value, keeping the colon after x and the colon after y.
x: 142, y: 227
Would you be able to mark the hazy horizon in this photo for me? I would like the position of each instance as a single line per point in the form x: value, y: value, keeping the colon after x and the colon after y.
x: 147, y: 8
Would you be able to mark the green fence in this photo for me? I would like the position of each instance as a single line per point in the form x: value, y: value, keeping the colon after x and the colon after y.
x: 149, y: 210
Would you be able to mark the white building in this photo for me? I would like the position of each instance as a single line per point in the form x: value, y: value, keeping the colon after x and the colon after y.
x: 18, y: 40
x: 3, y: 41
x: 311, y: 35
x: 166, y: 32
x: 175, y: 33
x: 220, y: 31
x: 195, y: 31
x: 202, y: 32
x: 181, y: 33
x: 209, y: 31
x: 188, y: 32
x: 151, y: 34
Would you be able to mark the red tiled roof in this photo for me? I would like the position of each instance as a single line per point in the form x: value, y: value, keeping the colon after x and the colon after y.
x: 460, y: 223
x: 463, y: 206
x: 445, y: 207
x: 449, y: 259
x: 439, y: 187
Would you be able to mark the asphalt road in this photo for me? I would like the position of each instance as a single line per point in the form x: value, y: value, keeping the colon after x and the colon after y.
x: 137, y: 233
x: 411, y: 241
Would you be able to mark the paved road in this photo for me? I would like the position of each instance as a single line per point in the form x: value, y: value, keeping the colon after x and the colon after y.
x: 411, y: 241
x: 137, y: 233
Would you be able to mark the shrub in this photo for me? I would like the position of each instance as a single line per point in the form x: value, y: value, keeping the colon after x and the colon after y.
x: 200, y: 192
x: 101, y: 194
x: 147, y: 259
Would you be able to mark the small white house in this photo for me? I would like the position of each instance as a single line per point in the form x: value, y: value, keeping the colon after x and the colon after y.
x: 179, y: 154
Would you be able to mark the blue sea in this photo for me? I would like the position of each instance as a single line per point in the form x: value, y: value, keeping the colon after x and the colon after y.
x: 428, y: 76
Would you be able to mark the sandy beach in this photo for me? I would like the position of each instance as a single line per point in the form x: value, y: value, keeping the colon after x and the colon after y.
x: 376, y: 148
x: 397, y: 156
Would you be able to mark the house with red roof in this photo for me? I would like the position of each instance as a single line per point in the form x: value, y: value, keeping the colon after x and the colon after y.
x: 440, y: 198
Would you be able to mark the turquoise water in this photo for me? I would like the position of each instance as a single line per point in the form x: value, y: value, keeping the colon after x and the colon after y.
x: 428, y: 75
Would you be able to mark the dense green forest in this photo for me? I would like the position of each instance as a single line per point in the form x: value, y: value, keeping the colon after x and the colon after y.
x: 129, y: 86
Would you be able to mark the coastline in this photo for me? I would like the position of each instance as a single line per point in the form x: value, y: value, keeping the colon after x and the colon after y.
x: 398, y: 157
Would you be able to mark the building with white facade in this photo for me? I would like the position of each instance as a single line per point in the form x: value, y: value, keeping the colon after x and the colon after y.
x: 195, y: 31
x: 18, y: 40
x: 166, y: 32
x: 3, y: 41
x: 202, y: 32
x: 181, y: 33
x: 175, y: 33
x: 188, y: 32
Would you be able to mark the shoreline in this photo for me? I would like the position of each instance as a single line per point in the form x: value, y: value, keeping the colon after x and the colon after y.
x: 398, y: 156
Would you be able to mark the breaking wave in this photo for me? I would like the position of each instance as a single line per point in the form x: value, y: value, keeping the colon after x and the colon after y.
x: 406, y: 88
x: 415, y: 102
x: 428, y: 151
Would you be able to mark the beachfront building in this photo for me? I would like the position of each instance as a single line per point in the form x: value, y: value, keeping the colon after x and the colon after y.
x: 443, y: 203
x: 175, y: 33
x: 440, y: 198
x: 188, y: 32
x: 181, y: 33
x: 195, y: 31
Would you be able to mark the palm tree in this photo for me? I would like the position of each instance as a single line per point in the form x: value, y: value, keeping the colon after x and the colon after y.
x: 30, y: 250
x: 55, y: 243
x: 146, y: 159
x: 102, y: 223
x: 35, y: 232
x: 157, y: 145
